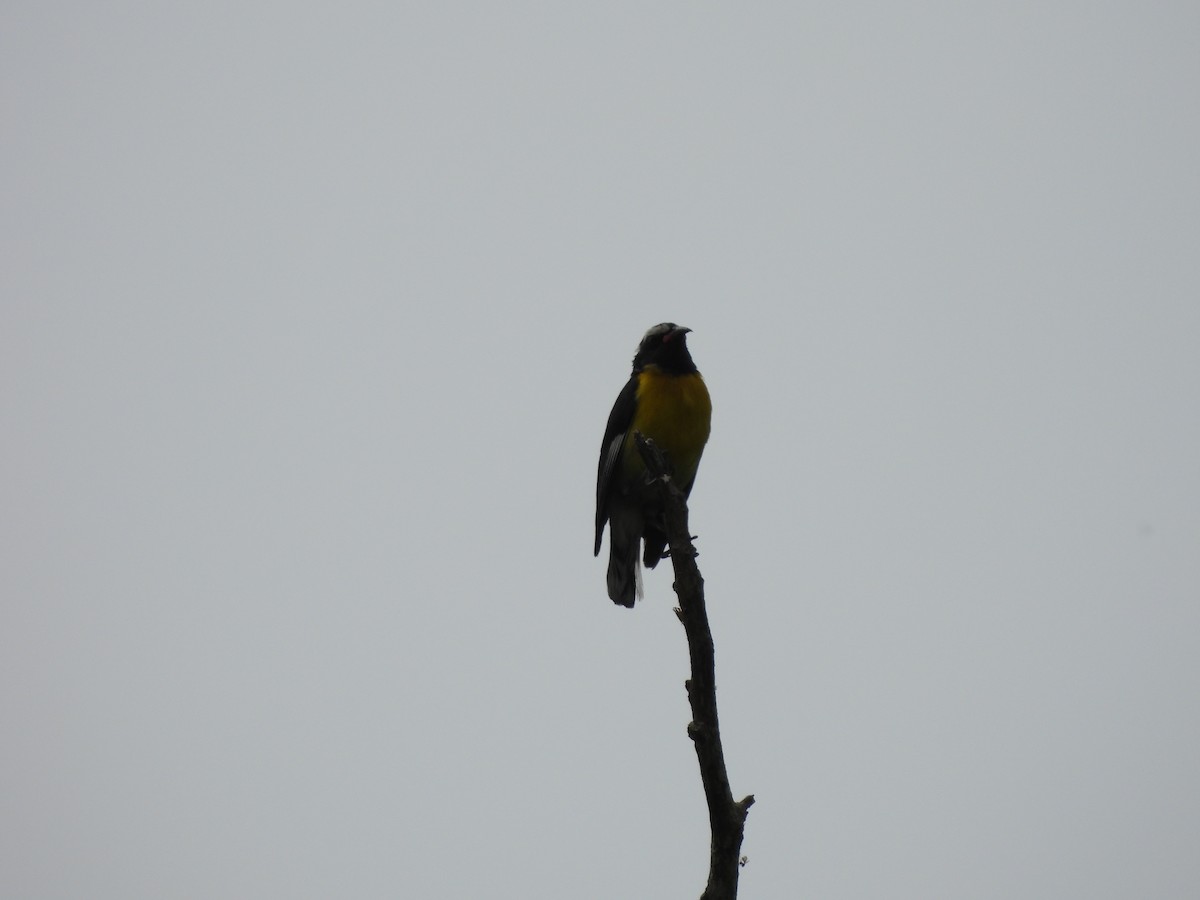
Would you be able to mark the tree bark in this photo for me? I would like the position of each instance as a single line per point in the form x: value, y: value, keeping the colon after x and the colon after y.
x: 726, y: 817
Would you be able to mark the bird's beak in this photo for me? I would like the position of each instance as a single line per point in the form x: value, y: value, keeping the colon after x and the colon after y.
x: 680, y: 332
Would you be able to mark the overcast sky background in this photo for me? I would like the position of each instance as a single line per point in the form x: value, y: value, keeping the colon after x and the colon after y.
x: 312, y: 317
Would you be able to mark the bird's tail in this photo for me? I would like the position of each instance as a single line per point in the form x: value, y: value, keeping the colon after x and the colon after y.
x: 624, y: 578
x: 624, y: 567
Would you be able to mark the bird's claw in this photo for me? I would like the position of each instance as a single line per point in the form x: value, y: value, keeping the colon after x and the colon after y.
x: 695, y: 552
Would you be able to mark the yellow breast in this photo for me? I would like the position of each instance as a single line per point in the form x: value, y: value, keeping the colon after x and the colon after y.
x: 676, y: 413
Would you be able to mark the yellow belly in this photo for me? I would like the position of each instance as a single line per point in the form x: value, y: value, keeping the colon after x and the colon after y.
x: 675, y: 412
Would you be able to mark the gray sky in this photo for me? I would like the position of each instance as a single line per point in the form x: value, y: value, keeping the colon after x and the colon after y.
x: 312, y: 317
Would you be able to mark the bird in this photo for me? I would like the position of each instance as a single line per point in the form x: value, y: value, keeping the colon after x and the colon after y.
x: 667, y: 401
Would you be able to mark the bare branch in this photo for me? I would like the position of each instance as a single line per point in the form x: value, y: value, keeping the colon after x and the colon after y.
x: 726, y: 817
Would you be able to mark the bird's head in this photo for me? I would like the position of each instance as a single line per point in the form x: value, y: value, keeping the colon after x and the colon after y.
x: 665, y: 347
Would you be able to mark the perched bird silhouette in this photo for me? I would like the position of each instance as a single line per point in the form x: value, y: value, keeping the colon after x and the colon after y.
x: 667, y: 401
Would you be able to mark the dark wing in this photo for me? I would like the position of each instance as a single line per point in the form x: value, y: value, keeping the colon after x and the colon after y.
x: 610, y: 450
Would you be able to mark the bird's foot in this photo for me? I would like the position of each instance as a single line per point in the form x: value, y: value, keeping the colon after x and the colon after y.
x: 695, y: 552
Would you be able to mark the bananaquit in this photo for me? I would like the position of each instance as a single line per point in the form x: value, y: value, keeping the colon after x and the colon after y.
x: 666, y: 400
